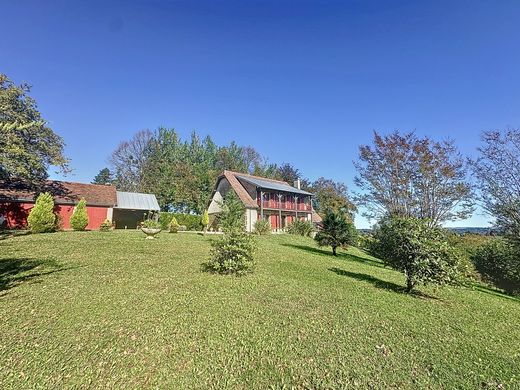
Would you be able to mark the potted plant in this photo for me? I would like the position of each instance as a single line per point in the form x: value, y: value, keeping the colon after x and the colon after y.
x: 150, y: 227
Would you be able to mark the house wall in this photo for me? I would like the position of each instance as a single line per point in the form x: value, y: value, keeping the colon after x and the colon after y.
x: 96, y: 215
x: 222, y: 189
x: 15, y: 215
x: 251, y: 218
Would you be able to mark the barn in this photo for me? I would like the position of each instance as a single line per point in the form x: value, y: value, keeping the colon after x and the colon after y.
x: 17, y: 198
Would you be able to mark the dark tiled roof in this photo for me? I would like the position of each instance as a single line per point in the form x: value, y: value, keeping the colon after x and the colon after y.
x: 62, y: 191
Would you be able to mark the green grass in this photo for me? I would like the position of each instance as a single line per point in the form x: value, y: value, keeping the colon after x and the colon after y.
x: 113, y: 310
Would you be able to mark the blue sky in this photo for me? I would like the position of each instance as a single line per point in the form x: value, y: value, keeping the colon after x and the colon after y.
x: 302, y: 82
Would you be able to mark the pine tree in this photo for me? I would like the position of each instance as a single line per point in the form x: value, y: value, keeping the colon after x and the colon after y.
x: 41, y: 219
x: 103, y: 177
x: 79, y: 219
x: 336, y: 232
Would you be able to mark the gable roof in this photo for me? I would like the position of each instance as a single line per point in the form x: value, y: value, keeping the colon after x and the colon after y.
x: 63, y: 192
x: 136, y: 201
x: 261, y: 182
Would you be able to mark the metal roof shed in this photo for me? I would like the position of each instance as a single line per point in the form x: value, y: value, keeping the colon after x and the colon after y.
x: 132, y: 208
x: 137, y: 201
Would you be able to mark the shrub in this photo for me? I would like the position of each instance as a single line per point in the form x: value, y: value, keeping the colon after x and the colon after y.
x: 420, y: 251
x: 105, y: 226
x: 41, y: 218
x: 467, y: 245
x: 151, y: 224
x: 336, y: 231
x: 174, y: 225
x: 232, y: 254
x: 192, y: 222
x: 205, y: 220
x: 79, y: 218
x: 182, y: 228
x: 302, y: 228
x: 499, y: 262
x: 262, y: 227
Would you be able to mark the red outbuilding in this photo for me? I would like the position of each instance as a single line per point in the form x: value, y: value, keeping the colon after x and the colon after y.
x: 17, y: 198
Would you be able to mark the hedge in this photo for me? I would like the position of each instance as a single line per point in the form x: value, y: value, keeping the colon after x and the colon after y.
x: 192, y: 222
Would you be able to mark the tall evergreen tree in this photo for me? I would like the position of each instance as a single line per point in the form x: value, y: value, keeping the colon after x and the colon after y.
x: 104, y: 177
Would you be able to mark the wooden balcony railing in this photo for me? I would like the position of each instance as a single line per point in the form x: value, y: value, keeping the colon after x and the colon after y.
x: 274, y: 204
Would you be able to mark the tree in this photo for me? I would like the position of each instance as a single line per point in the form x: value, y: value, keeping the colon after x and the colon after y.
x: 403, y: 175
x: 336, y: 231
x: 232, y: 216
x: 290, y: 174
x: 418, y: 249
x: 41, y: 218
x: 129, y: 161
x: 28, y: 146
x: 329, y: 194
x: 79, y: 218
x: 104, y: 177
x: 497, y: 170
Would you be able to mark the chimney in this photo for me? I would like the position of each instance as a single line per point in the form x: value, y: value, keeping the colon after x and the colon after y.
x: 298, y: 184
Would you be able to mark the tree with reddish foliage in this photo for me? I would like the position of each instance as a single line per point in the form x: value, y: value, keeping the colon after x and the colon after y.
x: 404, y: 175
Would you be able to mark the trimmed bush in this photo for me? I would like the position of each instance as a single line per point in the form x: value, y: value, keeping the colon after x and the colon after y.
x: 192, y: 222
x: 421, y: 252
x: 41, y: 218
x: 302, y: 228
x: 336, y: 232
x: 262, y: 227
x: 79, y: 219
x: 174, y: 225
x: 105, y: 226
x: 499, y: 262
x: 205, y: 220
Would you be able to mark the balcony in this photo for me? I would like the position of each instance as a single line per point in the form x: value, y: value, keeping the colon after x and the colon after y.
x: 274, y: 204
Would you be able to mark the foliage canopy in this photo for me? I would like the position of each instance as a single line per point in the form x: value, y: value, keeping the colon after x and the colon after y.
x: 28, y: 146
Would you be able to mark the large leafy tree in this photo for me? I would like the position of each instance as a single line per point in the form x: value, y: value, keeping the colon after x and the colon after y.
x: 497, y: 169
x: 404, y: 175
x: 332, y: 195
x: 129, y: 161
x: 28, y: 146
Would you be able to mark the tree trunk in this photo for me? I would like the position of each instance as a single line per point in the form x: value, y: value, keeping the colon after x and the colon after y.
x: 409, y: 285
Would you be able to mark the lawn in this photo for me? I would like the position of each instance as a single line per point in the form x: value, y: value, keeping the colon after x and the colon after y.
x: 113, y: 310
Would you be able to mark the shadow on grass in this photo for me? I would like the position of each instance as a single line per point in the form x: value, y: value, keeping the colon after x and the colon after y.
x: 5, y: 234
x: 16, y: 271
x: 341, y: 255
x: 494, y: 291
x: 381, y: 283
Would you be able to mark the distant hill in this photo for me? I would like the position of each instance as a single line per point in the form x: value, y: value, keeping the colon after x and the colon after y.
x: 458, y: 230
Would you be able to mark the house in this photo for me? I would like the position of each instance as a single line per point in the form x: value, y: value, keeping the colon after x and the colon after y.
x: 263, y: 198
x: 125, y: 209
